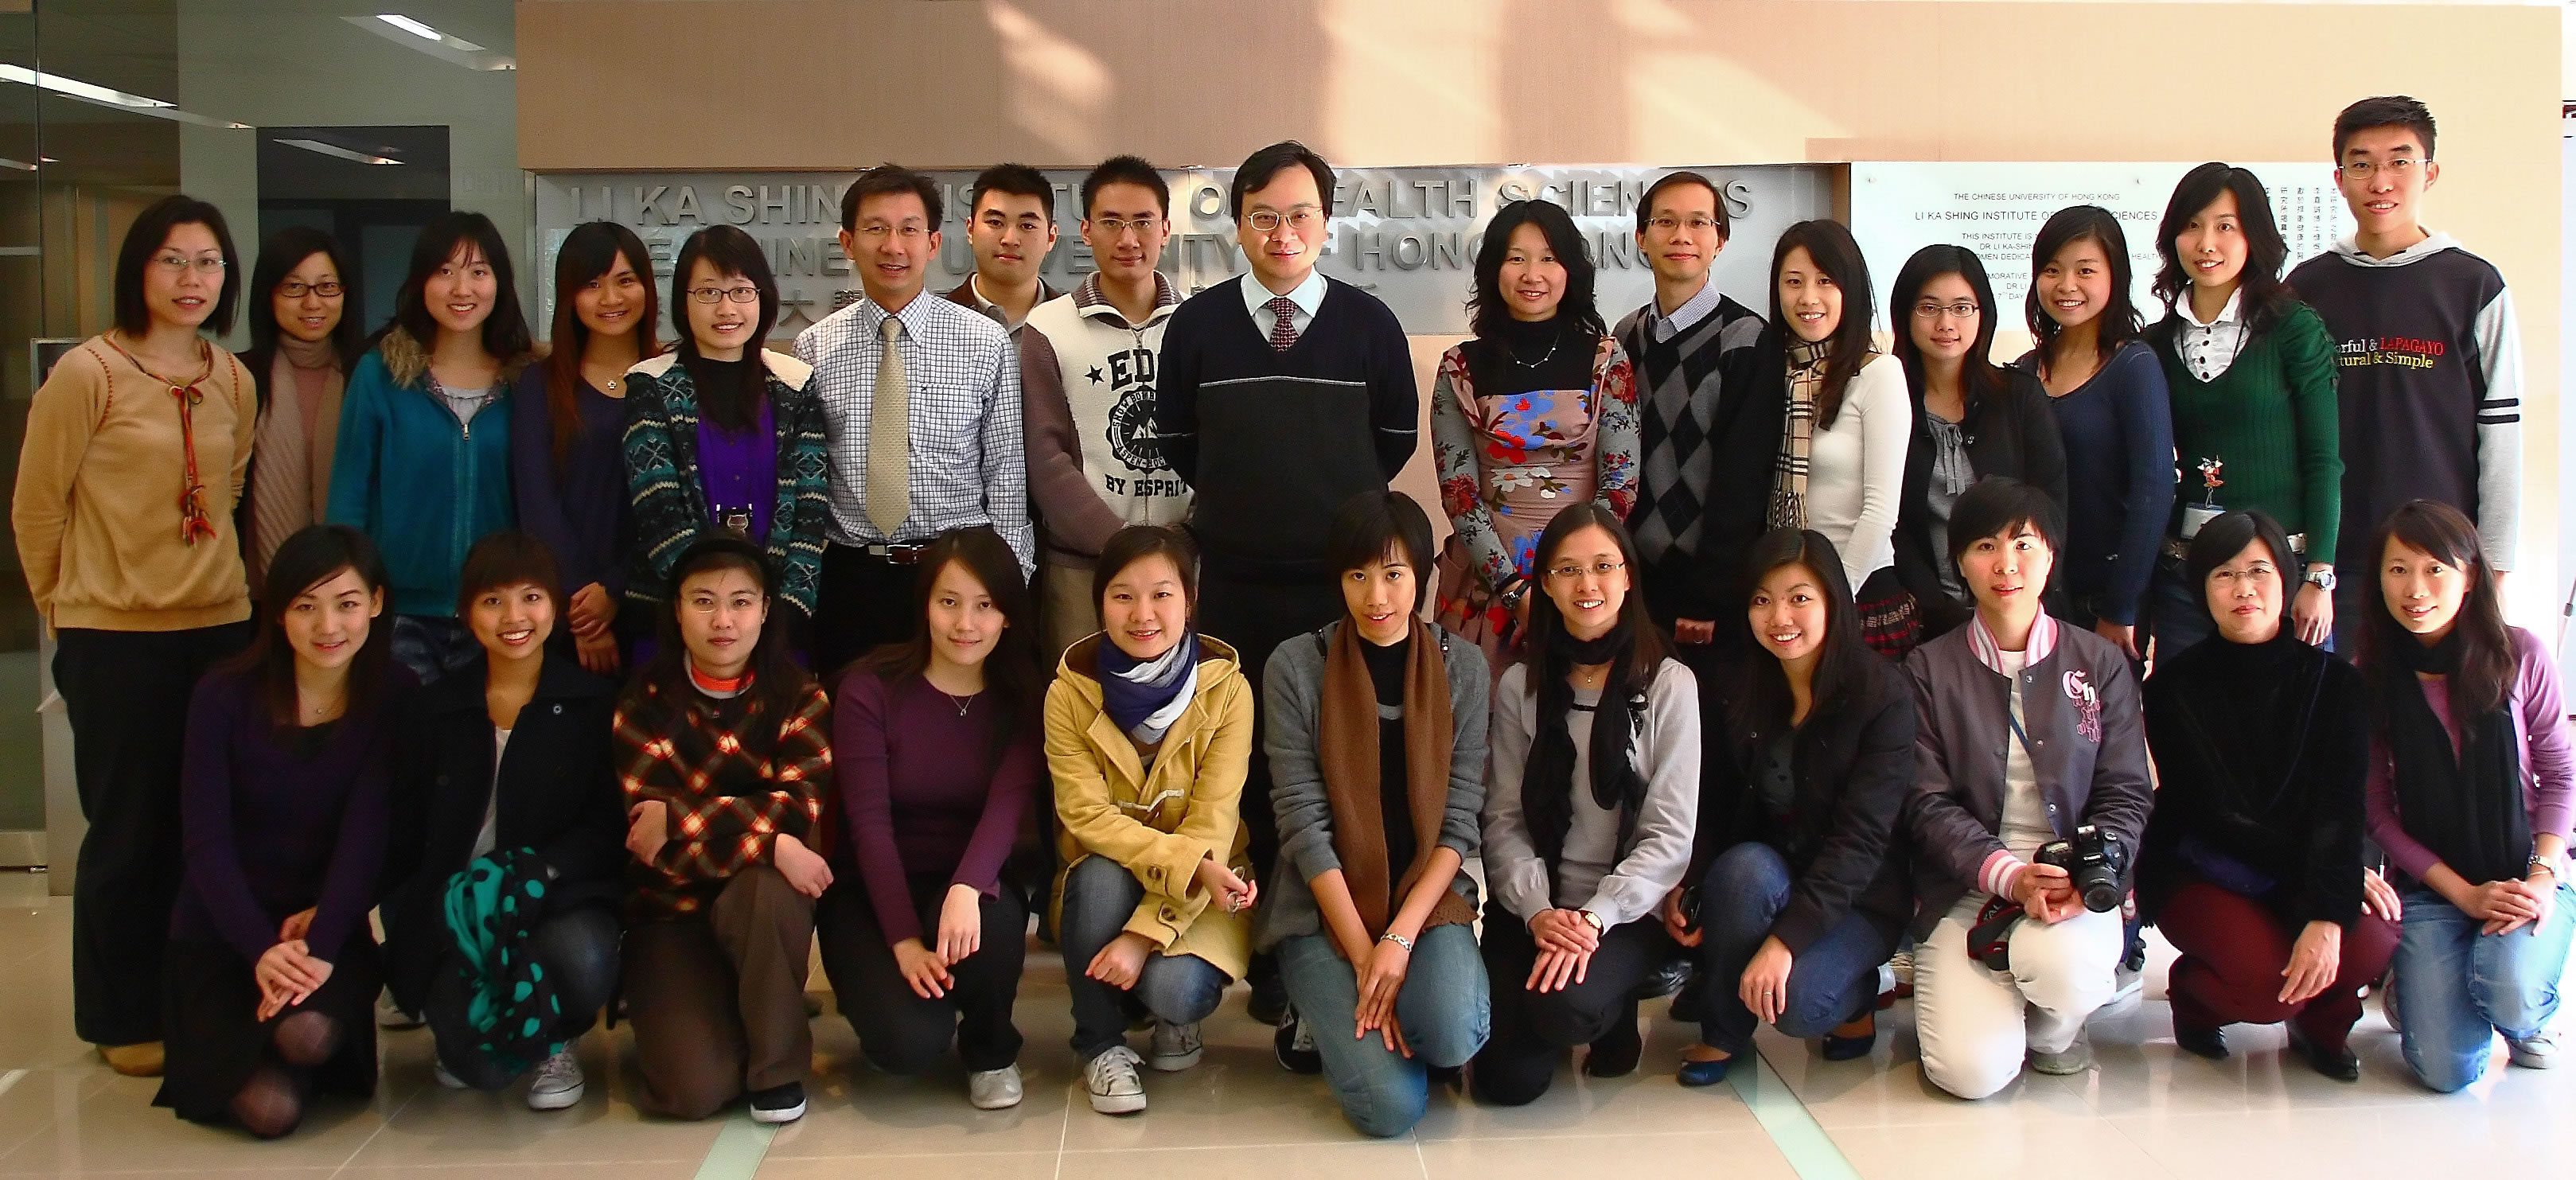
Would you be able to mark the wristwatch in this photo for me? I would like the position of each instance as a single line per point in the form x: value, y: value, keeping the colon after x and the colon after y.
x: 1593, y: 920
x: 2322, y: 579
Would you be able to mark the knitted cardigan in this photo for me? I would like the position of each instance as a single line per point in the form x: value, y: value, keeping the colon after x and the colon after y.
x: 671, y: 501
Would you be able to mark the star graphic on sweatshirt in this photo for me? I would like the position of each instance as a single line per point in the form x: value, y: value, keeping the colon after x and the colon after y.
x: 1095, y: 374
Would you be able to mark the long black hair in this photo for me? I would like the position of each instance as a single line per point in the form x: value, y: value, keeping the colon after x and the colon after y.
x: 2264, y: 297
x: 278, y: 257
x: 2486, y: 674
x: 584, y: 258
x: 1487, y: 309
x: 1011, y: 672
x: 1846, y: 675
x: 505, y: 331
x: 777, y: 680
x: 143, y: 242
x: 309, y: 557
x: 1829, y: 243
x: 1547, y: 782
x: 2119, y: 323
x: 1978, y: 376
x: 733, y: 254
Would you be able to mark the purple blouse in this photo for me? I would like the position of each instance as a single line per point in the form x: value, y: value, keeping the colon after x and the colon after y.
x: 738, y: 469
x: 930, y: 798
x: 2548, y: 766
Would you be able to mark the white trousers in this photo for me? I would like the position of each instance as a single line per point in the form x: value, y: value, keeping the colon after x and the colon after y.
x: 1976, y: 1024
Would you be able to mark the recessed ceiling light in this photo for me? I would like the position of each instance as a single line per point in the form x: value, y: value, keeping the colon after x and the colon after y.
x: 417, y: 35
x: 426, y: 33
x: 91, y: 92
x: 20, y: 165
x: 335, y: 150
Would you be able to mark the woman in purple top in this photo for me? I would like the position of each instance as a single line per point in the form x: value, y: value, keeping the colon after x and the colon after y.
x: 939, y: 751
x: 2472, y: 788
x: 567, y: 434
x: 271, y: 968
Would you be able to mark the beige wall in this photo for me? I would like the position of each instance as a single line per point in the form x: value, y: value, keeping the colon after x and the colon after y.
x: 960, y: 83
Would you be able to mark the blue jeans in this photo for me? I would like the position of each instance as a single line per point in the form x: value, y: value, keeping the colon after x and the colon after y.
x: 1834, y: 980
x: 1443, y: 1011
x: 2457, y: 988
x: 1099, y: 894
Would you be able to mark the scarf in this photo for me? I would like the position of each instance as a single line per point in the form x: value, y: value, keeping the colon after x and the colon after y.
x: 1145, y: 698
x: 1789, y: 474
x: 1547, y: 783
x: 2466, y: 806
x: 1347, y: 749
x: 294, y: 444
x: 511, y: 1009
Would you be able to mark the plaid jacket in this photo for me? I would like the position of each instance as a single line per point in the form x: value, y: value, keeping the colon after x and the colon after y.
x: 732, y: 784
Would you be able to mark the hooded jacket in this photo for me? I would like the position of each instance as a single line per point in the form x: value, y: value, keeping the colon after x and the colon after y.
x: 423, y: 484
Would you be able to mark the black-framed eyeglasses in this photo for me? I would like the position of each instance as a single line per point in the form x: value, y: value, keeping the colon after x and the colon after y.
x: 292, y: 289
x: 718, y: 294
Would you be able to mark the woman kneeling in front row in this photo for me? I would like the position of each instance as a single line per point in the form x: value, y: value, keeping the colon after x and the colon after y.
x: 1376, y: 743
x: 1595, y: 793
x: 2029, y: 750
x: 1804, y: 892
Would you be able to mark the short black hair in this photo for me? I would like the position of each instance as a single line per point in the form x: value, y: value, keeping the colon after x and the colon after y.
x: 1137, y: 542
x: 1372, y: 525
x: 510, y: 557
x: 1646, y: 204
x: 1259, y: 167
x: 1488, y: 314
x: 2392, y: 110
x: 731, y: 252
x: 2221, y: 539
x: 1127, y: 170
x: 1018, y: 180
x: 885, y: 179
x: 143, y: 240
x: 1997, y: 504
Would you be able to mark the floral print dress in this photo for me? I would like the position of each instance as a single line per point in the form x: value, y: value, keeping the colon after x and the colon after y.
x: 1507, y: 463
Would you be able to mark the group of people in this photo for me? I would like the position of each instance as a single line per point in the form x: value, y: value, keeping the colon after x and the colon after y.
x: 700, y: 654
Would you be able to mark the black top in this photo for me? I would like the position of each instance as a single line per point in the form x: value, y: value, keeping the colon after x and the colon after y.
x: 1524, y: 356
x: 1395, y: 804
x: 2262, y: 753
x: 2013, y: 434
x: 723, y: 381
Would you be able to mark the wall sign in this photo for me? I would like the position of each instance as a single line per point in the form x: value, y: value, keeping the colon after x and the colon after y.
x: 1407, y: 234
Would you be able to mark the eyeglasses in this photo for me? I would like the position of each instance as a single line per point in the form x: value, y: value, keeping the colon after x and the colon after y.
x: 717, y: 294
x: 1598, y: 569
x: 1696, y: 224
x: 295, y: 290
x: 1303, y: 218
x: 1115, y: 228
x: 1930, y: 310
x: 2397, y: 169
x: 909, y: 231
x: 208, y: 265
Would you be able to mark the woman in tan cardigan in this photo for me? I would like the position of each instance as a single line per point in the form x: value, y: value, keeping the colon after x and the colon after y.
x: 1148, y: 731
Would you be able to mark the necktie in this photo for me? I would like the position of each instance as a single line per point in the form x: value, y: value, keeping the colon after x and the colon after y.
x: 1284, y: 332
x: 889, y: 484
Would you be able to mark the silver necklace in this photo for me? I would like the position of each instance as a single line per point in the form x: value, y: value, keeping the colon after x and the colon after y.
x: 1543, y: 358
x: 962, y: 703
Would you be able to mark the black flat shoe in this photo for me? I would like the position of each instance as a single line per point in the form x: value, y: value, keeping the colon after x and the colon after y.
x: 1268, y: 1001
x: 1616, y: 1054
x: 1841, y: 1048
x: 2202, y: 1042
x: 2343, y: 1065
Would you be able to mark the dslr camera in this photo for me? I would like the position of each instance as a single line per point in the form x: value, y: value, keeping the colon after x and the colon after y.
x: 2093, y: 860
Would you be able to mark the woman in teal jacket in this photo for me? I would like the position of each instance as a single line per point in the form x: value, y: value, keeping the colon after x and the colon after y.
x: 423, y: 463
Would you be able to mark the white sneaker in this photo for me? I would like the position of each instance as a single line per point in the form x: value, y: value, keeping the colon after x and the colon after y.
x: 2128, y: 986
x: 558, y: 1082
x: 2534, y: 1052
x: 389, y: 1015
x: 1176, y: 1047
x: 438, y: 1070
x: 994, y: 1089
x: 2073, y: 1059
x: 1111, y: 1077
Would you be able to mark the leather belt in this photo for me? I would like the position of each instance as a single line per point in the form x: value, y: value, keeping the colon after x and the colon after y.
x: 896, y: 554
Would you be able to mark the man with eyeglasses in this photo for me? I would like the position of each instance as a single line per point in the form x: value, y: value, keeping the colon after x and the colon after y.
x: 2428, y: 358
x: 1010, y: 224
x: 1705, y: 429
x: 1283, y: 394
x: 921, y: 410
x: 1088, y: 372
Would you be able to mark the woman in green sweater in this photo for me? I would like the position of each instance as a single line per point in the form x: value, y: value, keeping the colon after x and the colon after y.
x: 2252, y: 375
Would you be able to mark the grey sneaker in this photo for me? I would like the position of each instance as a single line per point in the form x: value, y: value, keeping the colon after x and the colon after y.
x: 2533, y: 1052
x: 994, y: 1089
x: 2073, y: 1059
x: 1115, y: 1087
x: 1176, y: 1047
x: 558, y: 1082
x: 438, y: 1070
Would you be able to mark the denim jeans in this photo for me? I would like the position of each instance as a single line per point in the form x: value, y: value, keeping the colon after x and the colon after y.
x: 578, y: 947
x: 1835, y: 979
x: 2174, y: 611
x: 1442, y: 1011
x: 2457, y: 987
x: 1099, y: 894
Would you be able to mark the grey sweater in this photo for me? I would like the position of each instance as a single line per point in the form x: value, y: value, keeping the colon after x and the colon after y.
x: 1619, y: 881
x: 1292, y: 701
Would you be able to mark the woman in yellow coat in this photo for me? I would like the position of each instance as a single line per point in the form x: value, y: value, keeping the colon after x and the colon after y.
x: 1148, y: 731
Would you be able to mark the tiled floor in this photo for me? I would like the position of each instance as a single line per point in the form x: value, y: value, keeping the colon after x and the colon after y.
x: 2145, y: 1112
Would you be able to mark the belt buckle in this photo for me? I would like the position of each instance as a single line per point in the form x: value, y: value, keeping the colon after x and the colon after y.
x: 734, y: 520
x: 895, y: 554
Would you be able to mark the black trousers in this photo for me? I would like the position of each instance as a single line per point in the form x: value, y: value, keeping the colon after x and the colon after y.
x: 126, y: 693
x: 865, y: 603
x: 1533, y: 1029
x: 899, y: 1030
x: 1255, y: 618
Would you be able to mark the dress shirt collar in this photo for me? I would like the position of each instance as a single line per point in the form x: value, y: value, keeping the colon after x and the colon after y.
x: 1692, y: 310
x: 1309, y: 295
x: 2229, y: 314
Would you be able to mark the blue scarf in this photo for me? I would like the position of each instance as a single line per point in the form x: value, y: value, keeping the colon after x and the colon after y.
x: 1145, y: 698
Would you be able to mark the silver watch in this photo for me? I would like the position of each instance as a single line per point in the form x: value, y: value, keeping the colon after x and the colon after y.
x: 2322, y: 579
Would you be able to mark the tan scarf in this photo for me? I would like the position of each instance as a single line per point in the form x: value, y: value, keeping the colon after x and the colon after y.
x: 1349, y: 756
x: 1797, y: 440
x: 292, y: 488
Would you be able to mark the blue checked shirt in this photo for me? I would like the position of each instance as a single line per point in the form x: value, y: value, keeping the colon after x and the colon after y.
x: 968, y: 466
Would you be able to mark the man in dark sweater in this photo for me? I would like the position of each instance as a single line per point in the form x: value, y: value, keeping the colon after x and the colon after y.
x: 1709, y: 428
x: 2428, y: 357
x: 1283, y: 394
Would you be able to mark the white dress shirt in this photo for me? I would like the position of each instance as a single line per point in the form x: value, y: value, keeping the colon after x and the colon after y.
x: 2207, y: 349
x: 1308, y: 296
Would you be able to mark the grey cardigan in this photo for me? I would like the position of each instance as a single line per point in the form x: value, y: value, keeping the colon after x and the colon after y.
x: 1292, y: 705
x: 2089, y: 750
x: 1655, y: 852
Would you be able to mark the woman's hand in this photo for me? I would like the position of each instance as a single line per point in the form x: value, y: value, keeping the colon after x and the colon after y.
x: 597, y: 653
x: 1120, y: 963
x: 1224, y: 887
x: 922, y: 969
x: 2314, y: 961
x: 805, y: 868
x: 288, y: 975
x: 2046, y: 893
x: 648, y: 827
x: 1565, y: 930
x: 1764, y: 986
x: 2379, y: 897
x: 1682, y: 929
x: 2539, y: 893
x: 1381, y: 977
x: 961, y: 924
x: 2121, y: 636
x: 1694, y: 632
x: 295, y: 927
x: 1557, y: 970
x: 2313, y: 612
x: 593, y: 609
x: 2502, y: 904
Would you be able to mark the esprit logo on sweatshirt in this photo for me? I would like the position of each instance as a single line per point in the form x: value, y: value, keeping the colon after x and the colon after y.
x: 2401, y: 351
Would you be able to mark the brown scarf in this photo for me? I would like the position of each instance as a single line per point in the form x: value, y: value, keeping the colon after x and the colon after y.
x: 1349, y: 754
x: 293, y: 448
x: 1789, y: 473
